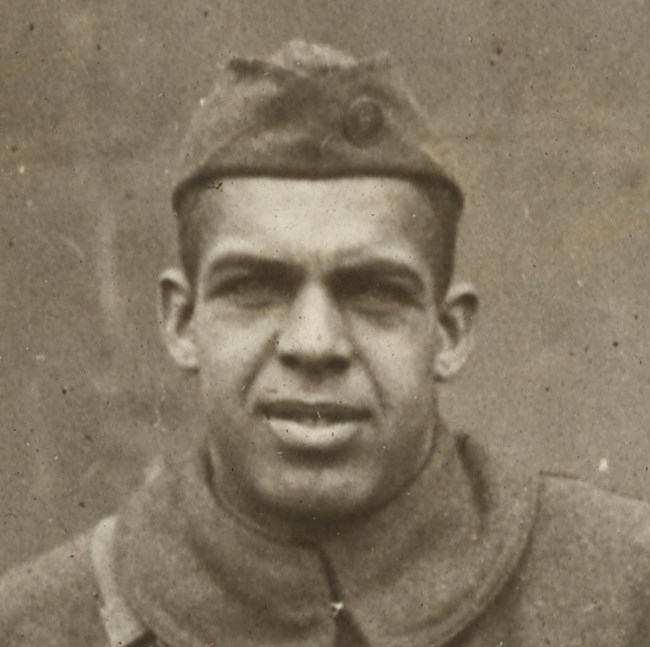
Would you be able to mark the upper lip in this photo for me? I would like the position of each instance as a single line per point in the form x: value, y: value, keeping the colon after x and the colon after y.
x: 331, y: 411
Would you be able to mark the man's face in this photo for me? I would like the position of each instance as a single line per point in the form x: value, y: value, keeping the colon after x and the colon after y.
x: 314, y: 331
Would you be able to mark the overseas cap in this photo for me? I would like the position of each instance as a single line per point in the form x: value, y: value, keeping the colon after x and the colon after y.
x: 310, y: 111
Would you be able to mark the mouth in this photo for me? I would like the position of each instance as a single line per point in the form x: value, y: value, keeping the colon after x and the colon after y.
x: 316, y: 426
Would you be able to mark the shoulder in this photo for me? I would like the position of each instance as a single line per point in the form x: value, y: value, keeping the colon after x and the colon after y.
x: 588, y: 556
x: 575, y: 512
x: 52, y: 600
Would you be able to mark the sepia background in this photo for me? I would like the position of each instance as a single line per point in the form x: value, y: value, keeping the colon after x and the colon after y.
x: 541, y: 109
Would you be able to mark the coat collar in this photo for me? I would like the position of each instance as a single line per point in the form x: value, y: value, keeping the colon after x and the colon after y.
x: 417, y: 572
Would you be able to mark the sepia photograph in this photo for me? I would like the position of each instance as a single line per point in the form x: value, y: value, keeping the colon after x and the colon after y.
x: 325, y: 323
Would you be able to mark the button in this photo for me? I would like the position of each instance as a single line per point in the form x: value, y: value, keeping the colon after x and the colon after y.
x: 364, y: 121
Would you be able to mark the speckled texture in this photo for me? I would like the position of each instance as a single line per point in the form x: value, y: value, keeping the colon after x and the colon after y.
x: 53, y: 600
x: 578, y: 575
x: 542, y: 108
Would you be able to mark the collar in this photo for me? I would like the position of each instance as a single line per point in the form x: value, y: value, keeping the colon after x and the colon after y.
x: 416, y: 572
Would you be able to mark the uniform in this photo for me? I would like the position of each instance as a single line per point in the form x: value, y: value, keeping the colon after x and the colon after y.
x: 476, y: 550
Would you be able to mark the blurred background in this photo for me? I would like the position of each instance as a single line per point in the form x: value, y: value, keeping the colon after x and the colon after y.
x: 540, y: 108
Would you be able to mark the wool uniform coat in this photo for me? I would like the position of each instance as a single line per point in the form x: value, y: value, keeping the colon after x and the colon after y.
x: 476, y: 552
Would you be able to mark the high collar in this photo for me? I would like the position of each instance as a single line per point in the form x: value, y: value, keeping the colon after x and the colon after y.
x: 416, y: 572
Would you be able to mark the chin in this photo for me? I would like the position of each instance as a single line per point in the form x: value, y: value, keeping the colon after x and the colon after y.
x: 325, y: 503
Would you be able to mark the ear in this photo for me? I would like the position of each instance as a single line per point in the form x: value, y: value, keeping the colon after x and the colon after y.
x: 456, y: 325
x: 176, y: 310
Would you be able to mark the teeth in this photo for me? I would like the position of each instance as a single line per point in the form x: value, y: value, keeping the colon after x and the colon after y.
x: 311, y: 419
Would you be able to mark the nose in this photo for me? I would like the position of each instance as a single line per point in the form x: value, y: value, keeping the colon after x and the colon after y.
x: 315, y: 337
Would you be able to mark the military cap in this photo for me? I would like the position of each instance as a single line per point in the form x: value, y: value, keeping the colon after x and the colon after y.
x: 315, y: 112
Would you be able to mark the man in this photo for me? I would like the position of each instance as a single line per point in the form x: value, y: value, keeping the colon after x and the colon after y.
x: 329, y: 504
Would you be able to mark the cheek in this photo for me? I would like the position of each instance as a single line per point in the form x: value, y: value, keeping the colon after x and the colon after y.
x: 230, y: 351
x: 401, y: 361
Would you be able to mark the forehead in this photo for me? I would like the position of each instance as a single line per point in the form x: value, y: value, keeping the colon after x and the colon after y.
x: 317, y: 219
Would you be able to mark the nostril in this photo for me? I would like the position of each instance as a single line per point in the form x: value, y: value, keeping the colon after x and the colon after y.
x: 339, y: 364
x: 290, y: 361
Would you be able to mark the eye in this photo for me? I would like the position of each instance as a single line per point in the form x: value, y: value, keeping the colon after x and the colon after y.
x: 378, y: 295
x: 252, y: 290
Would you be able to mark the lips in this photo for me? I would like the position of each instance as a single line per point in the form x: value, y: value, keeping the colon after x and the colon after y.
x: 315, y: 413
x: 314, y: 425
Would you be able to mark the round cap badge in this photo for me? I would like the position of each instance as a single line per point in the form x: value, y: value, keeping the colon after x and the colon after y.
x: 364, y: 121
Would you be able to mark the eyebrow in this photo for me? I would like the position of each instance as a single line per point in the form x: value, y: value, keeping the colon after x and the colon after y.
x: 377, y: 267
x: 243, y: 260
x: 368, y: 267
